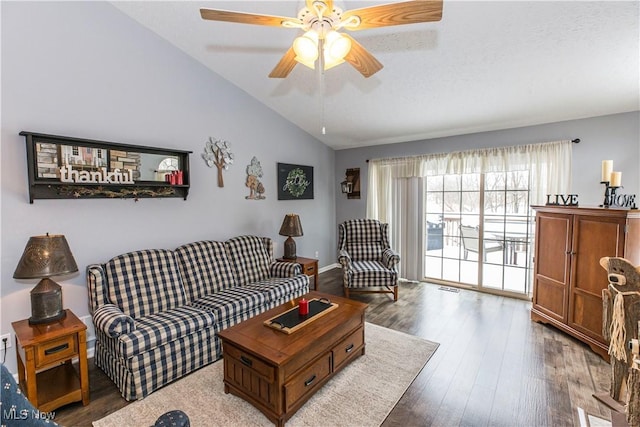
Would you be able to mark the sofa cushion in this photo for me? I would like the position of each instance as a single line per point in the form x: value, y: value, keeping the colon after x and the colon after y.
x: 144, y: 282
x: 160, y: 328
x: 230, y: 303
x: 249, y: 258
x: 205, y: 268
x: 276, y: 289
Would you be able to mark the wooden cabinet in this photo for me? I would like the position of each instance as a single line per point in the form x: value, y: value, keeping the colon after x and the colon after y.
x: 568, y: 278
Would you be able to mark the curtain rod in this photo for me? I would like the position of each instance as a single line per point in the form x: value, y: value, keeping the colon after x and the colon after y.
x: 575, y: 141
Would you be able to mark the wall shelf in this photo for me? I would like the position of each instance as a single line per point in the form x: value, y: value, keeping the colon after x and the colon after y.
x: 61, y: 167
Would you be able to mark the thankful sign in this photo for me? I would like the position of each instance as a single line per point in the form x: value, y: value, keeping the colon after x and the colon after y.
x: 100, y: 176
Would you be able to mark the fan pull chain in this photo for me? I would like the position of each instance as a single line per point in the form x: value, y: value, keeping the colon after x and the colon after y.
x: 321, y: 83
x: 324, y: 130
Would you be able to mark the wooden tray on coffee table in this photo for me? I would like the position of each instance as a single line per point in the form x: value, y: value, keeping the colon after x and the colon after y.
x: 290, y: 321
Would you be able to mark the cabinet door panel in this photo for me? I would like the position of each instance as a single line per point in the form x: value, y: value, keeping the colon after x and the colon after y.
x: 551, y: 298
x: 586, y: 314
x: 593, y: 238
x: 551, y: 258
x: 551, y: 273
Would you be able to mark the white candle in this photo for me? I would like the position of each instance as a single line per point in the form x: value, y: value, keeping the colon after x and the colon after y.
x: 607, y: 167
x: 616, y: 179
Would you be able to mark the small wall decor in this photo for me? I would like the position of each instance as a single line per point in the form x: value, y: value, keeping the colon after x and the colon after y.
x: 256, y: 188
x: 353, y: 177
x: 295, y: 182
x: 218, y: 153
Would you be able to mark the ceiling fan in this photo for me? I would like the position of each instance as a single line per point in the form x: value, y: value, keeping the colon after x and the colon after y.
x: 322, y: 42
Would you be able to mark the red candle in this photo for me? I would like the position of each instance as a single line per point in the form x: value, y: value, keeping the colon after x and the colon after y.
x: 303, y: 307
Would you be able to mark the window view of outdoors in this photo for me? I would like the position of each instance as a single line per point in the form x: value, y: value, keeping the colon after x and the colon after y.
x: 479, y: 230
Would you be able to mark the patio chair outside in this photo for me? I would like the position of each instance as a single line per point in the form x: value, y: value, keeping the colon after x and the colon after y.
x: 471, y: 242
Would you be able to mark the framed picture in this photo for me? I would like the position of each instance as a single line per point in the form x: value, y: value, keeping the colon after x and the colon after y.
x: 295, y: 182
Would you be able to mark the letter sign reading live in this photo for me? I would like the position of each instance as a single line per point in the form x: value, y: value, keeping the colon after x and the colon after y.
x: 562, y: 200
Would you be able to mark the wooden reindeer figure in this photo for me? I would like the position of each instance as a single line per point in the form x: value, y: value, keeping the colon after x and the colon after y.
x: 621, y: 313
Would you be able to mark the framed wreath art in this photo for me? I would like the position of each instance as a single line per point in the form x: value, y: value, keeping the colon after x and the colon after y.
x: 295, y: 182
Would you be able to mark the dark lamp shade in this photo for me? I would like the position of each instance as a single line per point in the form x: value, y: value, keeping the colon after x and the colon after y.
x: 291, y: 226
x: 45, y: 256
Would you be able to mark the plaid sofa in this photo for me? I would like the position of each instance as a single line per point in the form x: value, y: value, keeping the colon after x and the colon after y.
x: 366, y: 257
x: 157, y: 312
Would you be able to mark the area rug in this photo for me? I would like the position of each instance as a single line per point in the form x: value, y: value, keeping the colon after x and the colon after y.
x: 362, y: 394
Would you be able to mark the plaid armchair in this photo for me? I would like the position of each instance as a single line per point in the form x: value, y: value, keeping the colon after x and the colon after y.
x: 366, y: 257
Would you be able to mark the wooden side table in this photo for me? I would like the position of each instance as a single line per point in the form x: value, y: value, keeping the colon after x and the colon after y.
x: 309, y: 267
x: 45, y: 356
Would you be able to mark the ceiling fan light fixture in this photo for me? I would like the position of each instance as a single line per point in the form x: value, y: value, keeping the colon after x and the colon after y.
x: 306, y: 48
x: 330, y: 62
x: 336, y: 45
x: 306, y: 63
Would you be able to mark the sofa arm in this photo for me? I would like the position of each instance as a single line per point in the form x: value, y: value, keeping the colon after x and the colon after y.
x: 112, y: 321
x: 284, y: 269
x: 344, y: 259
x: 390, y: 258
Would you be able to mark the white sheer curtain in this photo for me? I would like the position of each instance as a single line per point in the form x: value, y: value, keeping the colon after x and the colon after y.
x: 395, y: 191
x: 406, y: 225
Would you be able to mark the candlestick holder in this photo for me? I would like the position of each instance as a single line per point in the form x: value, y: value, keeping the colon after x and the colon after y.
x: 609, y: 194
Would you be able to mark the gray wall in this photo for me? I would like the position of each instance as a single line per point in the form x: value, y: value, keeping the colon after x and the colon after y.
x: 84, y: 69
x: 614, y: 137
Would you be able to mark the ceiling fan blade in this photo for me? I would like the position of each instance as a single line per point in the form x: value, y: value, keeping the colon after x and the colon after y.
x: 407, y: 12
x: 361, y: 59
x: 245, y: 18
x: 284, y: 67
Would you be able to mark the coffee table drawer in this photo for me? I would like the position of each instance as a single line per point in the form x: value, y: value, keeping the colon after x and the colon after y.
x: 305, y: 382
x: 251, y: 363
x: 348, y: 347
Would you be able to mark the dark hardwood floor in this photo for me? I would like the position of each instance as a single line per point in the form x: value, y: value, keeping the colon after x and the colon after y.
x: 494, y: 366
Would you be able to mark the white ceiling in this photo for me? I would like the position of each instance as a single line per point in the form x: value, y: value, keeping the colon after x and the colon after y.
x: 484, y: 66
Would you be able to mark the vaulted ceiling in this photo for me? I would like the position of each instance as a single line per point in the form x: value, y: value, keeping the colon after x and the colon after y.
x: 484, y: 66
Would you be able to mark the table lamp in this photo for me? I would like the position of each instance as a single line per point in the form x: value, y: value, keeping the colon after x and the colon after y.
x: 43, y: 257
x: 290, y: 227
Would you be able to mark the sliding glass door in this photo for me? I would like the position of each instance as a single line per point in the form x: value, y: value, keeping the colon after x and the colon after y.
x: 478, y: 230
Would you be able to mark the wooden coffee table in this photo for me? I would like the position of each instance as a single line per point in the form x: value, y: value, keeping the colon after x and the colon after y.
x: 276, y: 372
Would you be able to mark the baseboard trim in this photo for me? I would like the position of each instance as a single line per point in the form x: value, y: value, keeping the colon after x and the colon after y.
x: 328, y: 267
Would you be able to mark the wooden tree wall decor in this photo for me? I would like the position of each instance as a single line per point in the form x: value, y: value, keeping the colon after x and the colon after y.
x: 254, y: 173
x: 218, y: 153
